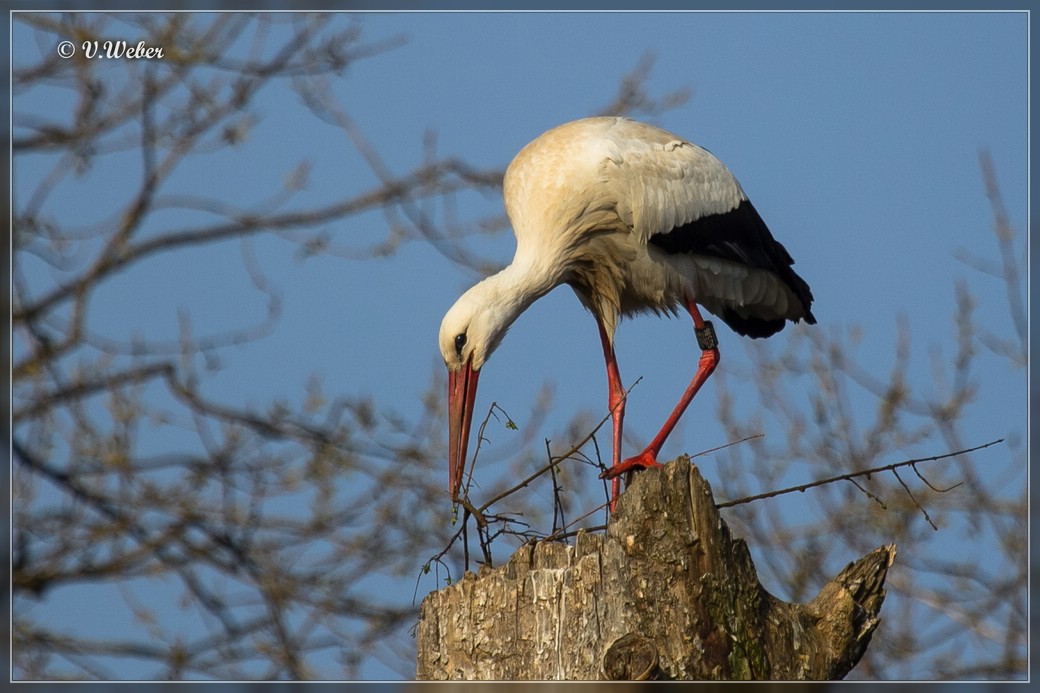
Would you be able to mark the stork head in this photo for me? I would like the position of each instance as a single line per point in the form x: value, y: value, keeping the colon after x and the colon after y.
x: 472, y: 329
x: 470, y: 332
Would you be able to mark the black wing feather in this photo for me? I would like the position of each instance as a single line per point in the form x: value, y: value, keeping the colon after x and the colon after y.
x: 740, y: 236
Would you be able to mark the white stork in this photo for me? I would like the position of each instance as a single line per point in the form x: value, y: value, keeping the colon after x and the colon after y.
x: 634, y: 219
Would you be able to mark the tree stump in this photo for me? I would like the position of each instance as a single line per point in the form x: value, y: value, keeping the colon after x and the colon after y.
x: 664, y: 593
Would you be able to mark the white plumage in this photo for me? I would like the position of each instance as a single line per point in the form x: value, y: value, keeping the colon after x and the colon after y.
x: 634, y: 219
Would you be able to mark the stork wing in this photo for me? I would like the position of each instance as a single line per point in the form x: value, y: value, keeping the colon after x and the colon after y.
x: 682, y: 199
x: 663, y: 182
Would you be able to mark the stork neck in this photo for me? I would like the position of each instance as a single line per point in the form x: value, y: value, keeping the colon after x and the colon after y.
x: 522, y: 283
x: 492, y: 305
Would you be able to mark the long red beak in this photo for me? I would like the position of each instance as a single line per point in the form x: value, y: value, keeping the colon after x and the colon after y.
x: 462, y: 390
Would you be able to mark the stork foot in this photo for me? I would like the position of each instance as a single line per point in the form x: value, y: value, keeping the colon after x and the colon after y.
x: 643, y: 460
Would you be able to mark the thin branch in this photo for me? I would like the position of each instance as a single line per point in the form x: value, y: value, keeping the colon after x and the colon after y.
x: 559, y: 458
x: 854, y: 475
x: 49, y: 400
x: 910, y: 493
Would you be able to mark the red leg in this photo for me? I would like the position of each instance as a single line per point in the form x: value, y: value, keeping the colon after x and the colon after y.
x: 616, y: 403
x: 708, y: 361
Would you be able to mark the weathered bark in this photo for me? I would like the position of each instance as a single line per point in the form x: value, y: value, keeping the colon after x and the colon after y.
x: 665, y: 593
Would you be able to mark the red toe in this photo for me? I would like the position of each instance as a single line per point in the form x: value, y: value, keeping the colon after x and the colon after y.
x: 643, y: 460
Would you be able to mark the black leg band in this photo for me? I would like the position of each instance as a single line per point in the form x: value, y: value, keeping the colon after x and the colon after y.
x: 706, y: 338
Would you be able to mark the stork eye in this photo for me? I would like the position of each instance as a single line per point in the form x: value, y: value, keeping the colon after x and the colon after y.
x: 460, y: 341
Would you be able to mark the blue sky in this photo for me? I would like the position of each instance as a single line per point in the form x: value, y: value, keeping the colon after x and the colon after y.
x: 856, y: 135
